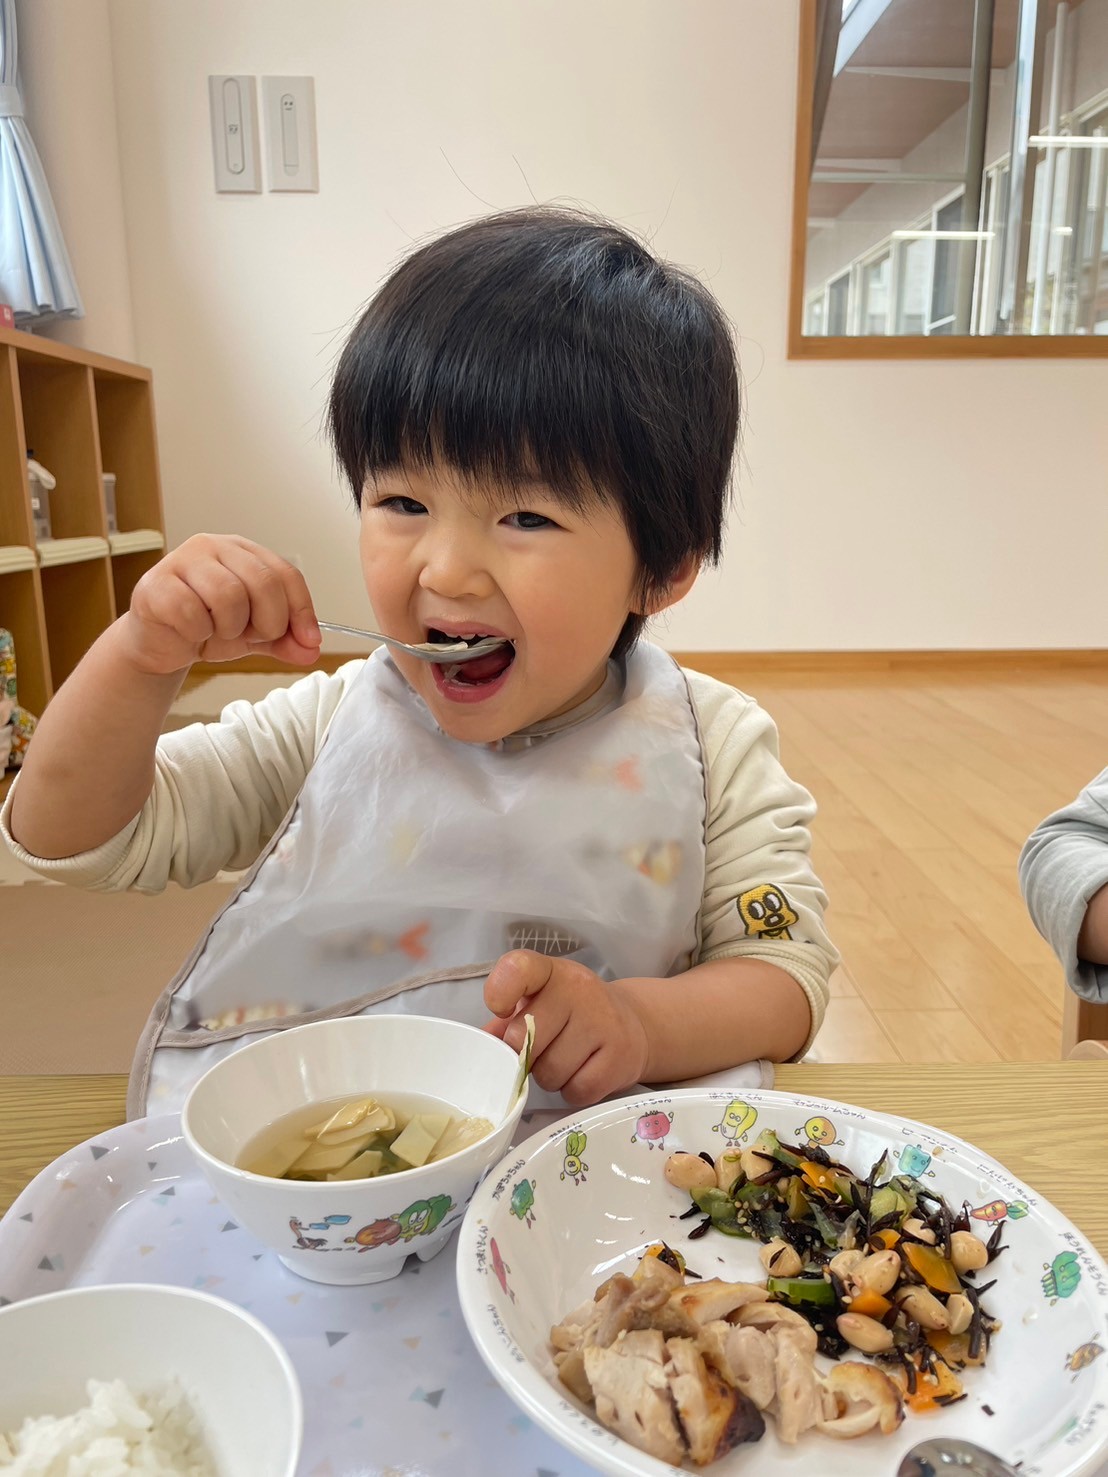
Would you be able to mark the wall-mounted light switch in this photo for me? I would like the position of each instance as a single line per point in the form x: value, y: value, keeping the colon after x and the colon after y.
x: 288, y: 107
x: 234, y: 107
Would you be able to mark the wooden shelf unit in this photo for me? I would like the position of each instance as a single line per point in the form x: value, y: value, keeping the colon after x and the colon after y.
x: 81, y: 415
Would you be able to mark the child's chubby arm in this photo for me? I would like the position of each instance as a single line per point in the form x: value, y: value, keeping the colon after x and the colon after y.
x: 594, y: 1037
x: 90, y: 766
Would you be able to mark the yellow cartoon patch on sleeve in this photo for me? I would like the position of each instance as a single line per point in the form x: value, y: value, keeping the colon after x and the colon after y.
x: 767, y: 912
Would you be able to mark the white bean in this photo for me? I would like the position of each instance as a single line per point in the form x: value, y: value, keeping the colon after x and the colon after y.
x: 688, y: 1171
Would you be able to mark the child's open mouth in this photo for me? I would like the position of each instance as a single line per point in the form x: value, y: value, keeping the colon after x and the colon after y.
x: 476, y: 680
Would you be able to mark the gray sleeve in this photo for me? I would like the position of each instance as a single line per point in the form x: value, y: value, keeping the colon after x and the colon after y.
x: 1064, y: 862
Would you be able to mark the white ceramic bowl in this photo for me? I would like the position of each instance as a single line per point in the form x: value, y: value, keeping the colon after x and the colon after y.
x: 236, y: 1376
x: 582, y: 1199
x: 355, y: 1230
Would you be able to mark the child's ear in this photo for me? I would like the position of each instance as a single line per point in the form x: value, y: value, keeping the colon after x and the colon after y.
x: 678, y: 587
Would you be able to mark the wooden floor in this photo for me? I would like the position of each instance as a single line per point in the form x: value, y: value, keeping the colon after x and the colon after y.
x: 928, y: 783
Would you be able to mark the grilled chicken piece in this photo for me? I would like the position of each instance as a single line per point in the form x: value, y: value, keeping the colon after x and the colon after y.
x: 770, y: 1316
x: 715, y: 1299
x: 571, y: 1332
x: 864, y: 1397
x: 571, y: 1372
x: 745, y: 1357
x: 714, y: 1416
x: 633, y: 1396
x: 654, y: 1270
x: 802, y: 1401
x: 627, y: 1306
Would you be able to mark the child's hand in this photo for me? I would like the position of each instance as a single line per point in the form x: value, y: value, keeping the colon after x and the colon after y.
x: 589, y: 1039
x: 215, y: 598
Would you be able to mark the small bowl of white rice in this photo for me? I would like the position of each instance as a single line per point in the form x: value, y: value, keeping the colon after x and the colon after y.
x: 162, y: 1381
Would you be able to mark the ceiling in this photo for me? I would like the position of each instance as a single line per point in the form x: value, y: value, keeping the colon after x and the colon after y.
x: 873, y: 117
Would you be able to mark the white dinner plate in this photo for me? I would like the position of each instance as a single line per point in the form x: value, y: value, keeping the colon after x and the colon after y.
x: 581, y: 1200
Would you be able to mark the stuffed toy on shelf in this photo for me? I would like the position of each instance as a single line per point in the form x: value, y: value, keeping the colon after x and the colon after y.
x: 16, y: 724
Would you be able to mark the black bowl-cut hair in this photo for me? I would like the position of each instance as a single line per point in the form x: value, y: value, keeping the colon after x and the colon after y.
x: 548, y: 344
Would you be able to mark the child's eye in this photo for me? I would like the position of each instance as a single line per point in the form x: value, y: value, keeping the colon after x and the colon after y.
x: 406, y: 505
x: 528, y: 521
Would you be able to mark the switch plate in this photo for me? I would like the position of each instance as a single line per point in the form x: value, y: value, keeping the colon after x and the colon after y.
x: 234, y: 107
x: 288, y: 111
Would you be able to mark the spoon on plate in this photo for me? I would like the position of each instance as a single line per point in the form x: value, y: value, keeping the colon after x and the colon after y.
x: 427, y: 651
x: 939, y: 1455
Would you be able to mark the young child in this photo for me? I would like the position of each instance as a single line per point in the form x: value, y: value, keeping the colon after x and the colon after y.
x: 1063, y: 872
x: 537, y: 419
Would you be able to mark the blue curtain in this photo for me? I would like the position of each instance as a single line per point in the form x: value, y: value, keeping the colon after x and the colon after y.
x: 36, y: 278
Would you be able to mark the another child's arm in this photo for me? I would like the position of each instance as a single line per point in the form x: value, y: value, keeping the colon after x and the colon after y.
x: 90, y: 766
x: 1063, y: 871
x: 1092, y: 940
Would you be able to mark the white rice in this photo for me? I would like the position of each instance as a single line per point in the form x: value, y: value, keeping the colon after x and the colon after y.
x: 118, y: 1433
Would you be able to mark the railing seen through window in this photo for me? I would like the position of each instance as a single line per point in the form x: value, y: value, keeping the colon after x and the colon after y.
x: 952, y: 175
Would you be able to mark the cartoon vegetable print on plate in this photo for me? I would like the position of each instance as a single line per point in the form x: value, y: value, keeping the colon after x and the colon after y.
x: 574, y: 1166
x: 652, y: 1129
x: 914, y: 1161
x: 1082, y: 1357
x: 500, y: 1268
x: 1061, y: 1276
x: 738, y: 1119
x: 820, y: 1133
x: 998, y: 1210
x: 522, y: 1202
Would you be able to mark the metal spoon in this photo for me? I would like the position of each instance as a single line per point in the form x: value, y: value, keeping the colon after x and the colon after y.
x: 940, y: 1455
x: 426, y: 651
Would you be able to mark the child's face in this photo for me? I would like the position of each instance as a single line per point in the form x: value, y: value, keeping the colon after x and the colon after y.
x: 559, y: 583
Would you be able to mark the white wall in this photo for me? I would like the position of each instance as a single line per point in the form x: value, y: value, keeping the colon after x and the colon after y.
x: 880, y: 505
x: 65, y: 56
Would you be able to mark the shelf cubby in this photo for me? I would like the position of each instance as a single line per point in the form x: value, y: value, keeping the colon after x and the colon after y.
x: 80, y: 414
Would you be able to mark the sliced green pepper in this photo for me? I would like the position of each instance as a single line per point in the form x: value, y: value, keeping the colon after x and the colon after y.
x: 813, y: 1291
x: 826, y: 1227
x: 773, y: 1147
x: 718, y: 1205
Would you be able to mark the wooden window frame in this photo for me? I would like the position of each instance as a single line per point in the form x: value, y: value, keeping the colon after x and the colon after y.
x: 891, y: 346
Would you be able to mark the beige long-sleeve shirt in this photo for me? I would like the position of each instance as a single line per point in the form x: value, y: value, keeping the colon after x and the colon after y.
x: 221, y: 790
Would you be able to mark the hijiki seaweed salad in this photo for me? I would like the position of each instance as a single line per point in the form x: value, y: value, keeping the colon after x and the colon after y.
x: 687, y: 1368
x: 879, y: 1264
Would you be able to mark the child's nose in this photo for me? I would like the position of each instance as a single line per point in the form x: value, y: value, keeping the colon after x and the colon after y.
x: 454, y: 568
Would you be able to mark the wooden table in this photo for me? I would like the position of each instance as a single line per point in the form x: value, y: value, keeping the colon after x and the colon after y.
x: 1047, y: 1122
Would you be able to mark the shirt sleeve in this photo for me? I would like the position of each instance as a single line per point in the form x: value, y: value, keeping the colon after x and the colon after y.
x: 220, y: 791
x: 762, y: 900
x: 1063, y: 863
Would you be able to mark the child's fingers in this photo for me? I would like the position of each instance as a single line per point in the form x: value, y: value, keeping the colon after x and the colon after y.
x: 566, y: 1051
x: 301, y: 622
x: 594, y: 1078
x: 267, y: 600
x: 223, y: 592
x: 515, y: 976
x: 171, y: 602
x: 288, y: 649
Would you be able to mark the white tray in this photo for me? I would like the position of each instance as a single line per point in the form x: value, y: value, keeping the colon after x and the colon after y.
x: 392, y: 1384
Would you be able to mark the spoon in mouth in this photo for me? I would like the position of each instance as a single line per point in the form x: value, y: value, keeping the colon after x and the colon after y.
x: 452, y: 652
